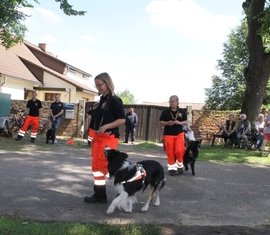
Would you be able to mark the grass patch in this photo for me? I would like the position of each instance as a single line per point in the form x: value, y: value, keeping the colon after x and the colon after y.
x: 14, y: 226
x: 217, y: 153
x: 228, y: 155
x: 9, y: 144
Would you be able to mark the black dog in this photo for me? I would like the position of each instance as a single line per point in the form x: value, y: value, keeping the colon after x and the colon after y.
x: 50, y: 135
x: 129, y: 178
x: 191, y: 154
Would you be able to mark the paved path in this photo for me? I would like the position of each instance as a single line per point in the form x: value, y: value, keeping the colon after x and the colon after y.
x: 50, y: 186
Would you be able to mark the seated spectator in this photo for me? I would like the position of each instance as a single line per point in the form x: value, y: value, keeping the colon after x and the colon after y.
x: 264, y: 112
x: 228, y: 131
x: 243, y: 130
x: 258, y: 130
x: 266, y: 133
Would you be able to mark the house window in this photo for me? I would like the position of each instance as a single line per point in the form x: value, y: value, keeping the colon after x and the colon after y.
x: 27, y: 94
x: 50, y: 96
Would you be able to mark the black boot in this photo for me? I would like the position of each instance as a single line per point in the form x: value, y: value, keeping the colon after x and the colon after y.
x: 99, y: 195
x: 33, y: 140
x: 19, y: 137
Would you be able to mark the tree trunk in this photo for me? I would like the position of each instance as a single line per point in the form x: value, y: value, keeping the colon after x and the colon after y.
x: 258, y: 71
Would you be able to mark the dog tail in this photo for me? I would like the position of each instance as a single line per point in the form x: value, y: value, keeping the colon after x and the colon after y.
x: 162, y: 183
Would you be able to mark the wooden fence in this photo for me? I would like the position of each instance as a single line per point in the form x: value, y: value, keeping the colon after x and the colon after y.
x: 205, y: 123
x: 148, y: 128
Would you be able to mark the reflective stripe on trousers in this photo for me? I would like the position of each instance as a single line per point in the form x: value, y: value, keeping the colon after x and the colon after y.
x: 99, y: 162
x: 30, y: 120
x: 175, y: 150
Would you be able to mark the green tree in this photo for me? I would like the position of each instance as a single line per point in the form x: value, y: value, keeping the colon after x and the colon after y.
x: 258, y: 69
x: 12, y: 29
x: 126, y: 96
x: 227, y: 91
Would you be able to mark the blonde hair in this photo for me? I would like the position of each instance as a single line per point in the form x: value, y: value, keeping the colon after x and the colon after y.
x: 105, y: 77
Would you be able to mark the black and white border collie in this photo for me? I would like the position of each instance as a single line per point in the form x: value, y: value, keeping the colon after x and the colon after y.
x: 130, y: 178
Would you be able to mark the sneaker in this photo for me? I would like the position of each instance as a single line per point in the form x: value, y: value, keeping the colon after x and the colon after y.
x: 94, y: 199
x: 55, y: 141
x: 172, y: 172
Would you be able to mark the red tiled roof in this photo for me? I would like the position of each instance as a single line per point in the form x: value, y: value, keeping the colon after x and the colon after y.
x: 53, y: 57
x: 11, y: 65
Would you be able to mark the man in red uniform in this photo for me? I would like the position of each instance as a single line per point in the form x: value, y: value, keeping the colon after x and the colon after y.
x: 173, y: 119
x: 34, y: 105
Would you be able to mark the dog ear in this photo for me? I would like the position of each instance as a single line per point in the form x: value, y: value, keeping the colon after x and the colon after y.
x: 124, y: 155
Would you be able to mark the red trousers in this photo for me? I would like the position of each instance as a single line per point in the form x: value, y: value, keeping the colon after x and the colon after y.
x: 30, y: 120
x: 99, y: 162
x: 175, y: 150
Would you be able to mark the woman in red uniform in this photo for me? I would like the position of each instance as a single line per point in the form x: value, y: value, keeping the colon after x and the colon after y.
x: 173, y: 119
x: 104, y: 131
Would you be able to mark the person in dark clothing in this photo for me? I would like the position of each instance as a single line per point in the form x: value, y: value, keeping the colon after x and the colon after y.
x: 131, y: 123
x: 57, y: 109
x: 104, y: 132
x: 174, y: 119
x: 229, y: 130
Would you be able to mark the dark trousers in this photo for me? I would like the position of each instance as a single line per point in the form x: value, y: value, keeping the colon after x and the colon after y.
x: 131, y: 132
x: 231, y: 137
x: 56, y: 124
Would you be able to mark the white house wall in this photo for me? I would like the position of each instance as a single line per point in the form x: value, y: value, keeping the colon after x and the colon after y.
x: 84, y: 96
x: 79, y: 77
x: 52, y: 81
x: 16, y: 88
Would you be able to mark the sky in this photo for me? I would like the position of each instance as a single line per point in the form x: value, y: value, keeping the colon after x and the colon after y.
x: 152, y: 48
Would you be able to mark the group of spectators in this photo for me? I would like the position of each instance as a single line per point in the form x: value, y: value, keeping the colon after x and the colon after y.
x: 242, y: 132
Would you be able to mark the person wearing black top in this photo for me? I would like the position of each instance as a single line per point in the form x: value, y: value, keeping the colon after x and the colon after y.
x: 104, y: 132
x: 173, y: 119
x: 131, y: 123
x: 32, y: 118
x: 57, y: 109
x: 229, y: 130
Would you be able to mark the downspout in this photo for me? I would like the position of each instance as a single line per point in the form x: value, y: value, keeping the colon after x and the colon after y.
x: 69, y: 94
x: 4, y: 80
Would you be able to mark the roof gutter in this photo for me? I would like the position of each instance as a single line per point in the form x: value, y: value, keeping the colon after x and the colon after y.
x: 6, y: 76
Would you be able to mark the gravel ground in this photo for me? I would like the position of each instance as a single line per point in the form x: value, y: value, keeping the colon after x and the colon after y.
x: 49, y: 183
